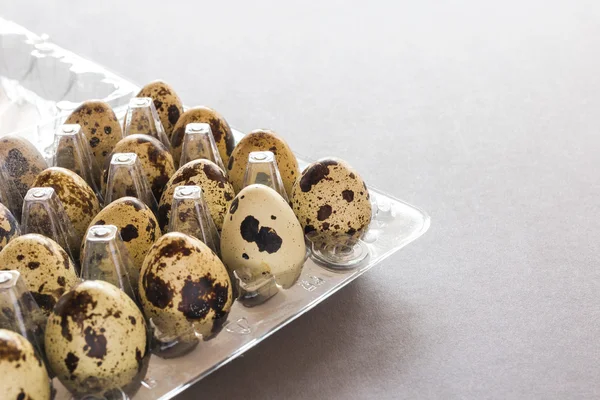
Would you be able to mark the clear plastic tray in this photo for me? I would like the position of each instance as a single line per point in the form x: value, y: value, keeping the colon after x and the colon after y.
x: 42, y: 94
x: 40, y: 81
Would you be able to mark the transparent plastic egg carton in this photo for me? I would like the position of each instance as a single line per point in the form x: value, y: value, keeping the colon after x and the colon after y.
x: 44, y: 106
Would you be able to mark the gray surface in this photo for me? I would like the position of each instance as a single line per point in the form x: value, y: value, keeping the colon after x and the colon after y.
x: 485, y: 113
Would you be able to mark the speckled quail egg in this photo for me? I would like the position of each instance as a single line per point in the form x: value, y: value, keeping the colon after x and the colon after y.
x: 217, y: 190
x: 22, y: 162
x: 155, y: 159
x: 261, y: 236
x: 95, y: 338
x: 332, y: 200
x: 220, y: 130
x: 263, y: 140
x: 182, y: 283
x: 167, y: 103
x: 77, y: 197
x: 136, y: 223
x: 100, y: 126
x: 9, y: 227
x: 24, y: 376
x: 44, y: 265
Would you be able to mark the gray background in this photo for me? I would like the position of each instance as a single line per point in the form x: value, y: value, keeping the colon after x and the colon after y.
x: 484, y: 113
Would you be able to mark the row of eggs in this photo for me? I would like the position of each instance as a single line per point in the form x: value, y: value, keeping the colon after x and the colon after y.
x: 181, y: 280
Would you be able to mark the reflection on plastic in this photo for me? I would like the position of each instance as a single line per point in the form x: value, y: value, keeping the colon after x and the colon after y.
x: 198, y: 142
x: 190, y: 215
x: 142, y: 117
x: 43, y: 213
x: 262, y: 169
x: 72, y: 151
x: 126, y: 178
x: 20, y: 313
x: 106, y: 258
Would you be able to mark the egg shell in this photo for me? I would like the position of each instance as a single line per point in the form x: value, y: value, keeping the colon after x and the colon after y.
x: 43, y: 264
x: 24, y: 376
x: 184, y: 282
x: 331, y: 199
x: 262, y: 236
x: 99, y: 125
x: 9, y: 227
x: 156, y: 161
x: 217, y: 190
x: 78, y: 199
x: 167, y: 103
x: 263, y: 140
x: 95, y: 338
x: 136, y: 223
x: 219, y: 126
x: 22, y: 162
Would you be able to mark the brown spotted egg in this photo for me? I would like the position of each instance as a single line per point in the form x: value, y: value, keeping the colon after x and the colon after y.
x: 220, y: 130
x: 77, y: 197
x: 261, y: 236
x: 100, y: 126
x: 332, y: 200
x: 183, y: 283
x: 155, y: 159
x: 9, y: 227
x: 217, y: 190
x: 167, y: 103
x: 95, y: 338
x: 136, y: 223
x: 22, y: 162
x: 45, y: 266
x: 263, y: 140
x: 23, y: 374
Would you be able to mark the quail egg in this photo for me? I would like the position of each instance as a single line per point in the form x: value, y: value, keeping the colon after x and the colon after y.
x: 263, y: 140
x: 44, y: 265
x: 9, y: 227
x: 167, y: 103
x: 24, y: 376
x: 100, y: 126
x: 220, y: 130
x: 183, y: 283
x: 95, y: 338
x: 136, y: 223
x: 77, y: 197
x: 217, y: 190
x: 261, y: 237
x: 331, y: 200
x: 21, y: 162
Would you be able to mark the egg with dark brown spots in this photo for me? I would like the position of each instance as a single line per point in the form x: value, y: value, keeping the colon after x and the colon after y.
x: 23, y: 374
x: 331, y: 200
x: 78, y: 199
x: 22, y: 162
x: 217, y: 190
x: 9, y: 227
x: 155, y: 159
x: 95, y: 338
x: 100, y: 127
x: 182, y: 283
x: 261, y: 237
x: 136, y: 223
x: 218, y: 125
x: 167, y: 103
x: 44, y: 265
x: 263, y: 140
